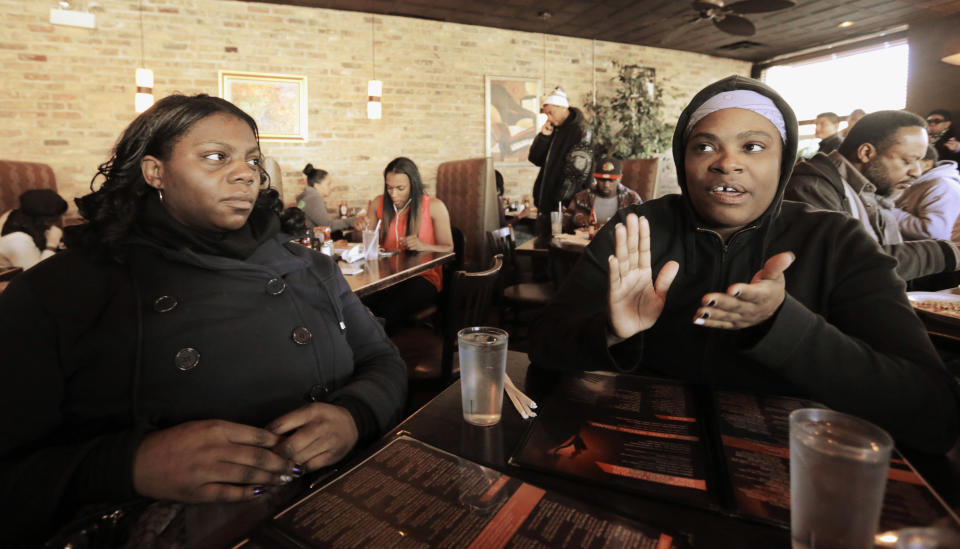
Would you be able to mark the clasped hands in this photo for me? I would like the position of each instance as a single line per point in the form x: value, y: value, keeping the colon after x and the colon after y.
x: 635, y: 300
x: 216, y: 460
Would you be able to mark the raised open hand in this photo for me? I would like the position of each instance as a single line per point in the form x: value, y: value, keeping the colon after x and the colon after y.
x: 210, y: 460
x: 746, y: 305
x: 634, y: 300
x: 317, y: 434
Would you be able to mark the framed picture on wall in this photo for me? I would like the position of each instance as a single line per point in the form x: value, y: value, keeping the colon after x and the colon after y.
x: 512, y: 105
x: 278, y: 102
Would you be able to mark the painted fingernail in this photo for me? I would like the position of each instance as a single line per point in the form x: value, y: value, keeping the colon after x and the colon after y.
x: 737, y: 293
x: 705, y: 315
x: 286, y: 479
x: 711, y: 303
x: 258, y: 490
x: 699, y: 322
x: 297, y: 470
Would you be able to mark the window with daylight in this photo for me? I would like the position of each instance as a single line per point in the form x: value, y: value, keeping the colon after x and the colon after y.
x: 871, y: 79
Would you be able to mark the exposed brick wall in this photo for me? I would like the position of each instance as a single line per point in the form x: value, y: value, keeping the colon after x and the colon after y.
x: 66, y: 93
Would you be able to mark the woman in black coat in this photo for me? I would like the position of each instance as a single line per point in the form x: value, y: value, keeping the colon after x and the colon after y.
x: 182, y: 349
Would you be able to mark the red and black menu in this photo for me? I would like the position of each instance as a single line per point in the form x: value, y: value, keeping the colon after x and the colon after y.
x: 755, y: 435
x: 639, y: 434
x: 646, y: 435
x: 410, y: 494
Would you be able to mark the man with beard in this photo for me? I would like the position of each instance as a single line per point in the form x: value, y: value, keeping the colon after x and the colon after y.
x: 879, y: 158
x: 563, y: 152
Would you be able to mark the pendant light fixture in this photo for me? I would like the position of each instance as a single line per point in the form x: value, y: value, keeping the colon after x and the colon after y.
x: 144, y: 97
x: 374, y: 87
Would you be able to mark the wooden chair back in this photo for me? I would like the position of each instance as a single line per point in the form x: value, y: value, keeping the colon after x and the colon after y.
x: 501, y: 241
x: 467, y: 304
x: 643, y: 176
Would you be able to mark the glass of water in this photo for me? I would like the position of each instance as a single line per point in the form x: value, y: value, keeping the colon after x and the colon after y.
x: 483, y: 361
x: 838, y: 475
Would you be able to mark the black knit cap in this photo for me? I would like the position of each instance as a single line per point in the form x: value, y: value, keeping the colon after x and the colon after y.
x: 42, y: 203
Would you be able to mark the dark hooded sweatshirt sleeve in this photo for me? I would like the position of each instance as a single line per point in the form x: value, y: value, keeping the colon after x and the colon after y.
x: 845, y: 334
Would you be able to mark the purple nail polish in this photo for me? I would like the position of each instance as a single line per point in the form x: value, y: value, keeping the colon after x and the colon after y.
x: 297, y: 470
x: 258, y: 490
x: 705, y: 315
x: 711, y: 303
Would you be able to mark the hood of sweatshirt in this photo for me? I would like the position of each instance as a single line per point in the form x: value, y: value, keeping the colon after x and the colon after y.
x: 789, y: 147
x: 945, y: 169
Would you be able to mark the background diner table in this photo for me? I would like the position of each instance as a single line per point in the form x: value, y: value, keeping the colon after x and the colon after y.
x: 387, y: 271
x: 563, y: 241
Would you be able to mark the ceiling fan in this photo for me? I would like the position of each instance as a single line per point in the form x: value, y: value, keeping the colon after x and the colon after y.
x: 726, y: 16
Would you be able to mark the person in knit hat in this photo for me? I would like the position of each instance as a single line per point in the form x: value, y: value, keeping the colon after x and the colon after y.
x: 563, y: 152
x: 28, y: 234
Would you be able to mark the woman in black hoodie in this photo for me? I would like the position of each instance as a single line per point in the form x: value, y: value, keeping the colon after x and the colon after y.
x: 728, y: 285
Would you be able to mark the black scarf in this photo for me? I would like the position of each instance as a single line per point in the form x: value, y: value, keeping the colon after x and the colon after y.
x: 158, y: 226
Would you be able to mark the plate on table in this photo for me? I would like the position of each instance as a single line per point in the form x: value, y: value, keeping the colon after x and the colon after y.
x: 941, y: 305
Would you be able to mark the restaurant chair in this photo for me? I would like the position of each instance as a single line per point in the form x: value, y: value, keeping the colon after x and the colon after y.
x: 642, y: 175
x: 516, y: 296
x: 430, y: 356
x: 469, y: 191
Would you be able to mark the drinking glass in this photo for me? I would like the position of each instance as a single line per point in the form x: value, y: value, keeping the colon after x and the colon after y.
x: 483, y: 361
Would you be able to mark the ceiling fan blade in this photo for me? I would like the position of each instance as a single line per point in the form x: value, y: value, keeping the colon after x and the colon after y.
x: 681, y: 29
x: 760, y: 6
x: 734, y: 24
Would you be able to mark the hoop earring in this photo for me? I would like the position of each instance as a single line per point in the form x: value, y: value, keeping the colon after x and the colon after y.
x: 160, y: 194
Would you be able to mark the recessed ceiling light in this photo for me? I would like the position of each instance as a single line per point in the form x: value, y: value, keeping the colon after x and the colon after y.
x: 845, y: 24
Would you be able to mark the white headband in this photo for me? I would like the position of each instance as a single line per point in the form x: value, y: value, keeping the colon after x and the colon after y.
x: 740, y: 99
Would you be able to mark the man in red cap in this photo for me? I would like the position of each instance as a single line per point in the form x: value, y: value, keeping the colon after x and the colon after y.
x: 605, y: 197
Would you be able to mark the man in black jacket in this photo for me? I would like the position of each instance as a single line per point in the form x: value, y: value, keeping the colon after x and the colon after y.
x: 563, y: 152
x: 699, y: 288
x: 879, y: 158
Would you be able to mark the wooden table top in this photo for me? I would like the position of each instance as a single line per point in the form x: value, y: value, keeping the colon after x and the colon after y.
x: 387, y: 271
x: 564, y: 241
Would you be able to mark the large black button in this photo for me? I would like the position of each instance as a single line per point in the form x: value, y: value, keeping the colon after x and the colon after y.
x: 164, y: 304
x: 276, y: 286
x: 318, y: 393
x: 187, y: 359
x: 301, y: 335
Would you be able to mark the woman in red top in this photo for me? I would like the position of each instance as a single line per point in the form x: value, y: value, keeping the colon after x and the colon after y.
x: 409, y: 220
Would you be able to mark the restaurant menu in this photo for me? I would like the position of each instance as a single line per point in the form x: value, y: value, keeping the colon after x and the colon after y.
x: 646, y: 435
x: 624, y: 431
x: 410, y: 494
x: 755, y: 435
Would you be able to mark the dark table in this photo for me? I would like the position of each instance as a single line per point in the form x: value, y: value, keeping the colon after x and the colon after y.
x: 440, y: 424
